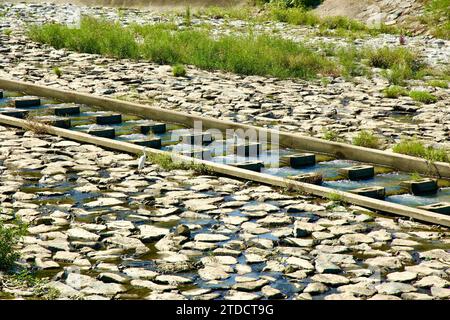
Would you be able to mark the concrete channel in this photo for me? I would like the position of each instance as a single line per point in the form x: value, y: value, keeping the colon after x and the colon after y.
x: 294, y: 141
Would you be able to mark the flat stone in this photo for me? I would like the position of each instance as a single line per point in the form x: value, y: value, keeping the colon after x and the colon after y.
x: 240, y: 295
x: 140, y: 273
x: 430, y: 281
x: 394, y: 288
x: 149, y: 233
x: 109, y: 277
x: 207, y: 237
x: 104, y: 202
x: 213, y: 273
x: 80, y: 234
x: 300, y: 263
x: 416, y: 296
x: 315, y: 288
x: 330, y: 279
x: 404, y: 276
x: 359, y: 289
x: 387, y: 262
x: 441, y: 293
x: 250, y: 285
x: 304, y: 229
x: 271, y: 292
x: 355, y: 238
x: 171, y: 279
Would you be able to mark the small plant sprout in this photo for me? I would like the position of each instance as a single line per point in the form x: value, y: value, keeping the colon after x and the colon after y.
x: 57, y: 71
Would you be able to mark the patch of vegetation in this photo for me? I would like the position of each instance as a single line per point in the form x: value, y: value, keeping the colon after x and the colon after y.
x: 415, y: 176
x: 437, y: 17
x: 400, y: 64
x: 350, y: 61
x: 168, y: 163
x: 331, y: 135
x: 179, y: 70
x: 367, y: 139
x: 422, y: 96
x: 10, y: 235
x: 57, y: 71
x: 416, y: 148
x: 292, y: 3
x: 438, y: 84
x: 27, y: 279
x: 243, y: 54
x: 37, y: 126
x: 336, y: 198
x: 394, y: 92
x: 7, y: 32
x: 187, y: 17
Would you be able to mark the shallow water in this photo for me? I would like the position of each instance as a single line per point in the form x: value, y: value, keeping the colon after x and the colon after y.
x: 221, y: 152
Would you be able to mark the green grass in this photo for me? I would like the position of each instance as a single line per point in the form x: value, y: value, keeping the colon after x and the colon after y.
x: 394, y: 92
x: 179, y: 70
x: 349, y: 59
x: 422, y: 96
x: 415, y: 176
x: 437, y: 17
x: 400, y: 64
x: 366, y: 139
x: 57, y: 71
x: 438, y: 84
x: 167, y: 163
x: 162, y: 43
x: 10, y: 235
x: 416, y: 148
x: 331, y: 135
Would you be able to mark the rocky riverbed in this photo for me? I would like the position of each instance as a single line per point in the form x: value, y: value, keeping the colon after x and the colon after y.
x: 99, y: 229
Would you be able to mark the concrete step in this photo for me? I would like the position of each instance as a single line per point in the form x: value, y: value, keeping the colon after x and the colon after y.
x: 26, y: 102
x: 440, y: 207
x: 249, y: 165
x: 420, y: 186
x: 359, y: 172
x: 299, y: 160
x: 376, y: 192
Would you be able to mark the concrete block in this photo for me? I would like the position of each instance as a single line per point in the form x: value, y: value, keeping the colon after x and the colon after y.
x: 156, y: 127
x: 420, y: 186
x: 376, y: 192
x: 440, y: 207
x: 249, y: 165
x: 299, y: 160
x: 359, y: 172
x: 109, y: 119
x: 248, y: 149
x: 196, y: 138
x: 16, y: 113
x: 154, y: 143
x: 60, y: 122
x: 103, y: 132
x: 26, y: 102
x: 66, y: 110
x: 312, y: 177
x: 203, y: 154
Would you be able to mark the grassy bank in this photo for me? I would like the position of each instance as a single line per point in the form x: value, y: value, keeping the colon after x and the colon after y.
x: 246, y: 54
x: 163, y: 43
